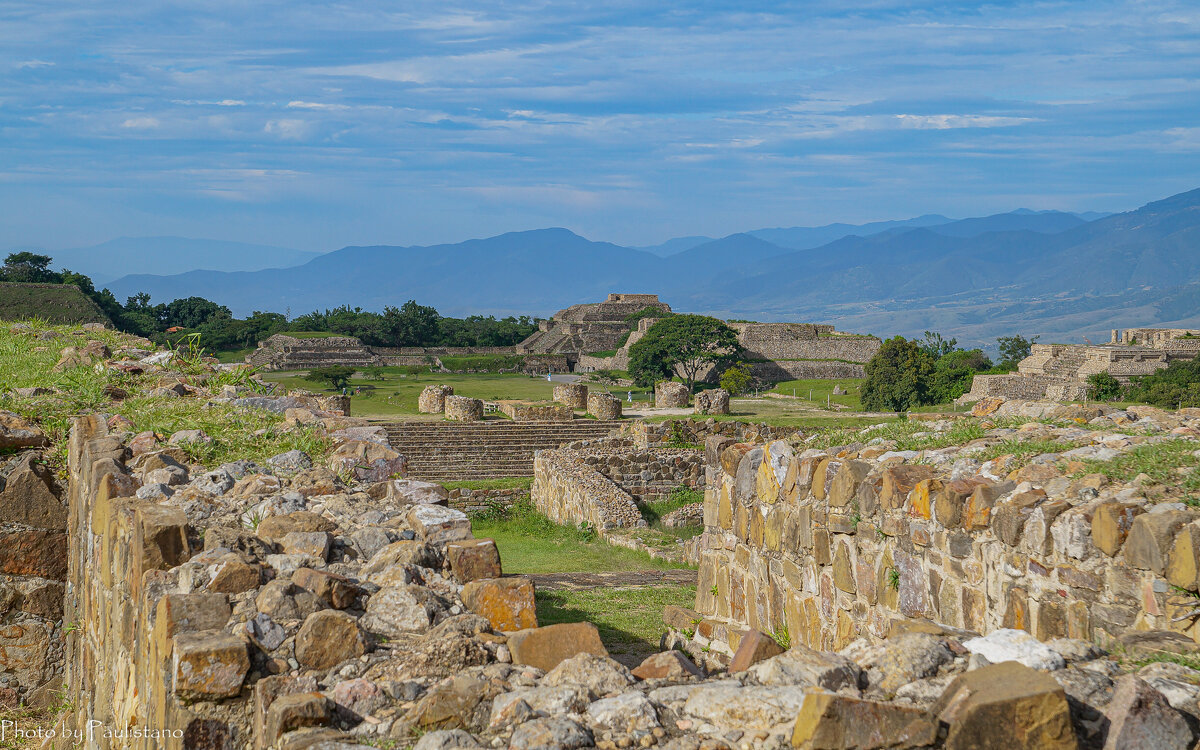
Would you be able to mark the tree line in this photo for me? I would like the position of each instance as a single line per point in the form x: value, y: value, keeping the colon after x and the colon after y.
x: 411, y: 324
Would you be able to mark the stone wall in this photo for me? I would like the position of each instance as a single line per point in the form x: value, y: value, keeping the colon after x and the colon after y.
x: 33, y: 559
x: 569, y: 491
x: 520, y: 412
x: 811, y: 341
x: 835, y: 547
x: 648, y: 474
x: 464, y: 409
x: 476, y: 501
x: 573, y: 395
x: 697, y: 431
x: 604, y: 406
x: 283, y: 352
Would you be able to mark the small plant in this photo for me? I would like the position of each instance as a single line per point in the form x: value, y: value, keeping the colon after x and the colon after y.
x: 714, y: 589
x: 252, y: 520
x: 893, y: 577
x: 689, y: 633
x: 70, y: 627
x: 782, y: 636
x: 588, y: 531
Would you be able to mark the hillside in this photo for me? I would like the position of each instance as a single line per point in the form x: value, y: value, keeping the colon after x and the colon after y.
x: 53, y: 303
x: 1048, y: 273
x: 170, y: 255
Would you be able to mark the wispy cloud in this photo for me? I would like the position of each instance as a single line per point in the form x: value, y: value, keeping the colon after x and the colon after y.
x: 433, y: 120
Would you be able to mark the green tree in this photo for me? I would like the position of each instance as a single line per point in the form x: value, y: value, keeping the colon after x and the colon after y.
x: 1175, y: 386
x: 682, y: 345
x: 194, y: 312
x: 1102, y: 386
x: 898, y: 376
x: 936, y: 345
x: 954, y: 372
x: 337, y: 376
x: 29, y: 268
x: 736, y: 378
x: 1013, y: 349
x: 410, y: 324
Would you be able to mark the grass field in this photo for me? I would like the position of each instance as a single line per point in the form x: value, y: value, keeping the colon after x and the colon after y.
x: 818, y: 393
x: 629, y: 618
x: 53, y: 303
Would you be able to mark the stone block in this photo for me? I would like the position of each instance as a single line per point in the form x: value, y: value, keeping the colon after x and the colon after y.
x: 1151, y: 537
x: 1111, y: 523
x: 274, y: 528
x: 899, y: 481
x: 31, y: 496
x: 507, y: 603
x: 755, y: 646
x: 714, y: 446
x: 315, y: 544
x: 334, y: 590
x: 845, y: 483
x: 208, y: 665
x: 328, y: 638
x: 34, y: 552
x: 545, y: 647
x: 832, y: 722
x: 232, y: 576
x: 295, y: 711
x: 368, y: 461
x: 1006, y: 706
x: 1183, y: 559
x: 473, y: 559
x: 604, y: 406
x: 668, y: 665
x: 1140, y: 717
x: 437, y: 525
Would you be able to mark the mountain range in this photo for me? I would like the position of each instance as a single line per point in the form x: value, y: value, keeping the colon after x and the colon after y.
x: 1065, y: 277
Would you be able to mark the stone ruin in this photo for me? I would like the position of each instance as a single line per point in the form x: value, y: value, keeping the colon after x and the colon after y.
x: 604, y: 406
x: 712, y: 401
x: 574, y: 395
x: 669, y: 394
x: 284, y: 352
x: 1059, y: 372
x: 464, y: 409
x: 433, y: 399
x: 585, y: 328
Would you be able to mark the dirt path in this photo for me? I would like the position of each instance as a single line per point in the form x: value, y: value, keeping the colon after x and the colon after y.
x: 585, y: 581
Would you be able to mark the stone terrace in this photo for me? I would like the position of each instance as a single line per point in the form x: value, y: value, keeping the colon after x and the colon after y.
x: 440, y: 451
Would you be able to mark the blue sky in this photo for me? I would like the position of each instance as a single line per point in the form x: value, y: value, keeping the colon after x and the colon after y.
x: 320, y: 124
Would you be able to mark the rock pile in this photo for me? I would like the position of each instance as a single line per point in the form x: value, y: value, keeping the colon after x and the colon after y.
x: 712, y: 401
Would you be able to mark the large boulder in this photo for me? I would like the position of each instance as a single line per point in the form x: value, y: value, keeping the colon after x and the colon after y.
x: 16, y: 433
x: 366, y: 461
x: 546, y: 647
x: 1006, y: 706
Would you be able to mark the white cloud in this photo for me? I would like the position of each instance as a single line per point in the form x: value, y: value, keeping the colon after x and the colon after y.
x: 299, y: 104
x: 30, y: 64
x: 948, y: 122
x: 292, y: 130
x: 231, y: 103
x: 141, y: 123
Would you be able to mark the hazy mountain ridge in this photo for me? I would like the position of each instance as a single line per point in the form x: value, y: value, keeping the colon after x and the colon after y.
x: 1033, y: 272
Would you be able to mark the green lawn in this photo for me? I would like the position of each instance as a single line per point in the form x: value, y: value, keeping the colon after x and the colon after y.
x: 629, y: 618
x: 531, y: 543
x: 817, y: 393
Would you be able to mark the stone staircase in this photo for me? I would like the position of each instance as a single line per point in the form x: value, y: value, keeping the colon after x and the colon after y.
x: 446, y: 451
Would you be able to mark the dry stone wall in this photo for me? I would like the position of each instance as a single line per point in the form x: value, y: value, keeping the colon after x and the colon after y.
x: 696, y: 431
x: 712, y: 401
x: 433, y: 399
x: 519, y: 412
x: 569, y: 491
x: 604, y: 406
x: 464, y: 409
x: 670, y: 395
x: 837, y: 545
x: 574, y: 395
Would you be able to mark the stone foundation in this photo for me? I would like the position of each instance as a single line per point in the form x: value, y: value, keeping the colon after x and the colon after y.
x: 604, y: 406
x: 519, y: 412
x: 433, y: 399
x: 697, y: 431
x: 670, y: 395
x: 574, y: 395
x: 464, y: 409
x: 712, y: 401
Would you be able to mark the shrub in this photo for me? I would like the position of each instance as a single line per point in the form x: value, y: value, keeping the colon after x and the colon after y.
x: 1177, y: 385
x: 736, y: 379
x: 898, y: 376
x: 1103, y: 387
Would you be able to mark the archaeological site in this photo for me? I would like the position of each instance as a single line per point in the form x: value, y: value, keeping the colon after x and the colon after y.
x: 197, y: 558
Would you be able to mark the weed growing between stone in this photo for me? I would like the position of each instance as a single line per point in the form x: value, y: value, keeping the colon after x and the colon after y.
x: 1171, y: 462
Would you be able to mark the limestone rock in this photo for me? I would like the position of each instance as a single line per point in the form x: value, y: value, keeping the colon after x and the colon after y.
x: 394, y: 610
x: 333, y: 590
x: 599, y: 675
x: 754, y: 647
x: 667, y: 665
x: 1007, y: 644
x: 1150, y: 539
x: 550, y: 734
x: 473, y: 559
x: 834, y: 722
x: 437, y: 525
x: 328, y: 638
x: 366, y: 461
x: 208, y: 665
x: 283, y: 600
x: 545, y: 647
x: 404, y: 552
x: 1140, y: 717
x: 507, y: 603
x: 30, y: 495
x: 627, y: 712
x: 446, y: 739
x: 275, y: 528
x: 801, y: 665
x: 728, y: 707
x: 16, y: 433
x: 1006, y: 706
x: 542, y: 701
x: 906, y: 658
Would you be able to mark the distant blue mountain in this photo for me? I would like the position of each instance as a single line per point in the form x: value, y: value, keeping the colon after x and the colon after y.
x: 171, y: 255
